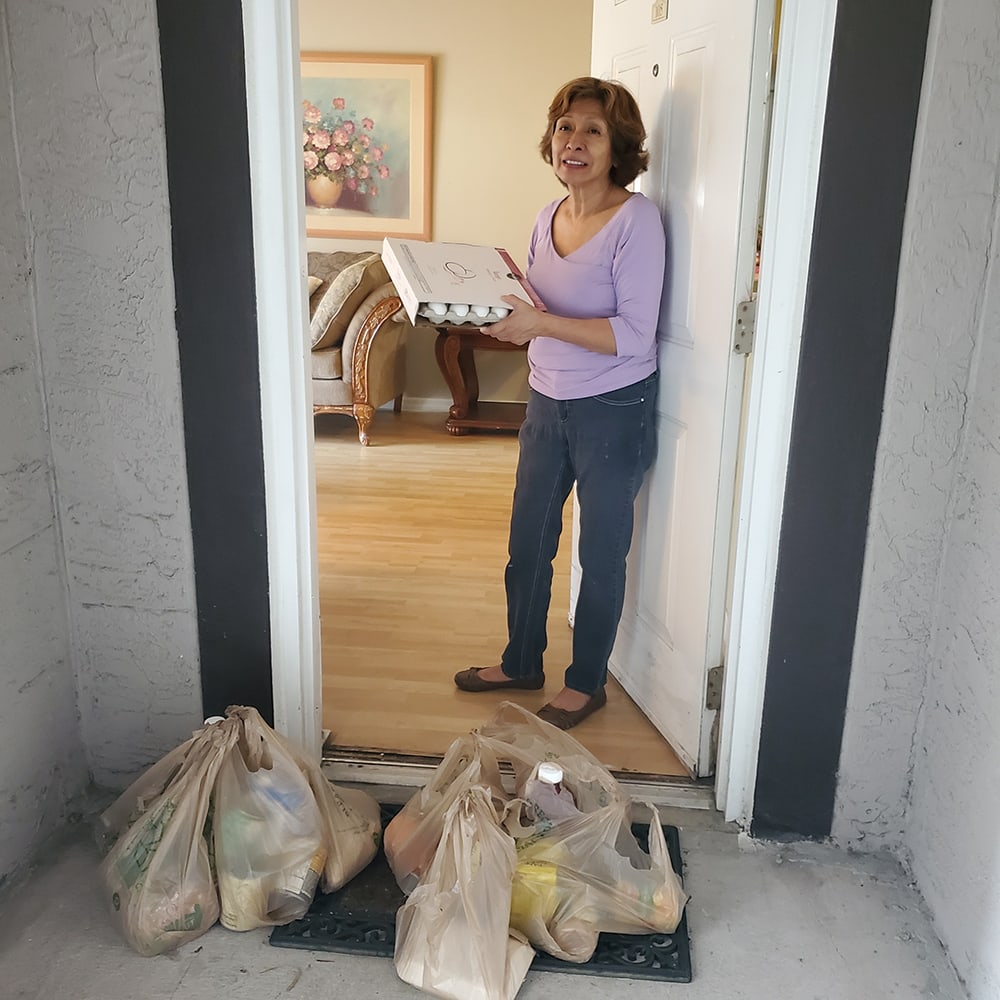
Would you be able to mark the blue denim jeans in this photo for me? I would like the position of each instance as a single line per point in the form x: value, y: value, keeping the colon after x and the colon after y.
x: 604, y: 444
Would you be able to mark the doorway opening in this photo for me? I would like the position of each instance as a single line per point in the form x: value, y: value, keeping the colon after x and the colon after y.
x: 272, y: 45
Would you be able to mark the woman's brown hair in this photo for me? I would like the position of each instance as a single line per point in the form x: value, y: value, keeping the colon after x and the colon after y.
x: 628, y: 158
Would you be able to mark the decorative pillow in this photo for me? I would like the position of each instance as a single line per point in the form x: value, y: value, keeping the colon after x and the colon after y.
x: 333, y: 304
x: 314, y: 283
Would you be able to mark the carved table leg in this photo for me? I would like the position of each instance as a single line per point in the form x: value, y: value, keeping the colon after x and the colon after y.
x: 448, y: 351
x: 470, y: 377
x: 455, y: 351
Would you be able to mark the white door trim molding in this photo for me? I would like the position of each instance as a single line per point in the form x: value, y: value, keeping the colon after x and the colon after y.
x: 272, y: 69
x: 804, y: 53
x: 271, y: 42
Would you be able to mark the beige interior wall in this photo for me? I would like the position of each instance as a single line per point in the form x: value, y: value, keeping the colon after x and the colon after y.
x: 496, y: 68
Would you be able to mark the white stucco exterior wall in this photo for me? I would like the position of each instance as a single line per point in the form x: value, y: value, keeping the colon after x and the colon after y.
x: 918, y: 770
x: 41, y: 766
x: 925, y: 412
x: 88, y: 113
x: 953, y: 827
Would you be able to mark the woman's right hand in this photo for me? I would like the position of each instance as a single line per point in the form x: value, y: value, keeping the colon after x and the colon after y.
x: 520, y: 326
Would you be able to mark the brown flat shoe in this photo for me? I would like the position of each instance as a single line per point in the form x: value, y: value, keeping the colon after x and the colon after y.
x: 562, y: 718
x: 469, y: 680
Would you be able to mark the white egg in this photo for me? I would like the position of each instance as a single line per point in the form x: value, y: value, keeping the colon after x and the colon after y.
x: 438, y: 308
x: 481, y: 311
x: 499, y: 312
x: 460, y: 308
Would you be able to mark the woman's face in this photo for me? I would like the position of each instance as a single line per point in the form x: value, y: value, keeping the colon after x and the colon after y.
x: 581, y: 143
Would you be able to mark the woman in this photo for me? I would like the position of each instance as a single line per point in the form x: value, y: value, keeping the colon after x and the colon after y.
x: 596, y: 259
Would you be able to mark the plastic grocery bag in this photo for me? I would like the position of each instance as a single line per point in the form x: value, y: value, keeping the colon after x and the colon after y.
x: 351, y: 821
x: 352, y: 828
x: 585, y: 873
x: 157, y: 875
x: 135, y: 800
x: 452, y: 938
x: 412, y: 836
x: 567, y: 889
x: 268, y: 833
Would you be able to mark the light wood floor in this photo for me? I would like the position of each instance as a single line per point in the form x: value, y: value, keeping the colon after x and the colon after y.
x: 412, y: 545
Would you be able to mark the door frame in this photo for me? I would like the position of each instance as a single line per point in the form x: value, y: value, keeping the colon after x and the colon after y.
x: 271, y: 42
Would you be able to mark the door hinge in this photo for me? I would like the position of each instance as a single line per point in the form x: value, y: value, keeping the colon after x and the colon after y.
x: 746, y: 326
x: 713, y: 693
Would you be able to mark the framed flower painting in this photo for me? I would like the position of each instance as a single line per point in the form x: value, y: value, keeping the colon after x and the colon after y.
x: 366, y: 145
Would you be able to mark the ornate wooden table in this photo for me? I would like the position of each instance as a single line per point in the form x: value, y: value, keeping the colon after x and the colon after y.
x: 455, y: 349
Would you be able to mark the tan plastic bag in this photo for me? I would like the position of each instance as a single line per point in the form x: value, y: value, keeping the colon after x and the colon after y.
x: 268, y: 833
x: 351, y: 821
x: 135, y: 800
x: 586, y: 874
x: 412, y: 837
x: 452, y: 938
x: 157, y: 876
x: 352, y: 827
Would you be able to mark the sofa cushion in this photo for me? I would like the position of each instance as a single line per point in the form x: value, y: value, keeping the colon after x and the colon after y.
x: 347, y: 280
x: 314, y: 283
x: 328, y: 363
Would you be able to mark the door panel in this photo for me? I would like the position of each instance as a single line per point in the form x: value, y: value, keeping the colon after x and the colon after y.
x: 691, y: 75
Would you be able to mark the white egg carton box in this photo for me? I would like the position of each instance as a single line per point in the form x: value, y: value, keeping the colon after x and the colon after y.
x: 451, y: 284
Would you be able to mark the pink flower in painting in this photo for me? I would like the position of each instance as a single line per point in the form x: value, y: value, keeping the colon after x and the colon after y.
x: 344, y: 148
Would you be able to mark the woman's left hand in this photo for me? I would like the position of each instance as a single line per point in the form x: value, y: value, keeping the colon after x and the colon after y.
x: 520, y: 326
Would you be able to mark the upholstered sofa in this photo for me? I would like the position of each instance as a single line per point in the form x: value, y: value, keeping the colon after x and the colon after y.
x: 358, y: 330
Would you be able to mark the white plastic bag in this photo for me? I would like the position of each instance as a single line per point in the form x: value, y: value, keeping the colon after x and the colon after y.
x: 452, y: 936
x: 268, y: 834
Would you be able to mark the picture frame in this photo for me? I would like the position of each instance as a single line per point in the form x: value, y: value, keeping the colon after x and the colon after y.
x: 367, y: 144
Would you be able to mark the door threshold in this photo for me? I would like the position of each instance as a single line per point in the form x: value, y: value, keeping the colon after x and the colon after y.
x: 392, y: 778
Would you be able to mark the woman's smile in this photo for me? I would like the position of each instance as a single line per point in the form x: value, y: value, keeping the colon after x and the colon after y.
x: 581, y: 142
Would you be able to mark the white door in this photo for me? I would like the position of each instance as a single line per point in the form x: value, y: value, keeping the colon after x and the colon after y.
x: 691, y: 73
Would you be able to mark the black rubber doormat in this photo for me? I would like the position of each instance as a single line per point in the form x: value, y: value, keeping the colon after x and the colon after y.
x: 360, y: 919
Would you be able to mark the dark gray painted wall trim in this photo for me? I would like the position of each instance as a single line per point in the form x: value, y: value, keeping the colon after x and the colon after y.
x: 204, y: 91
x: 874, y: 94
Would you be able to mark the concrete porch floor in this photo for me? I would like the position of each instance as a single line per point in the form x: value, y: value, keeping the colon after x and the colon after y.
x: 768, y: 922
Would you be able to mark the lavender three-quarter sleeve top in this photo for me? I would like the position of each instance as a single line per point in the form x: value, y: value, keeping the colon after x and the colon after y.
x: 616, y: 275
